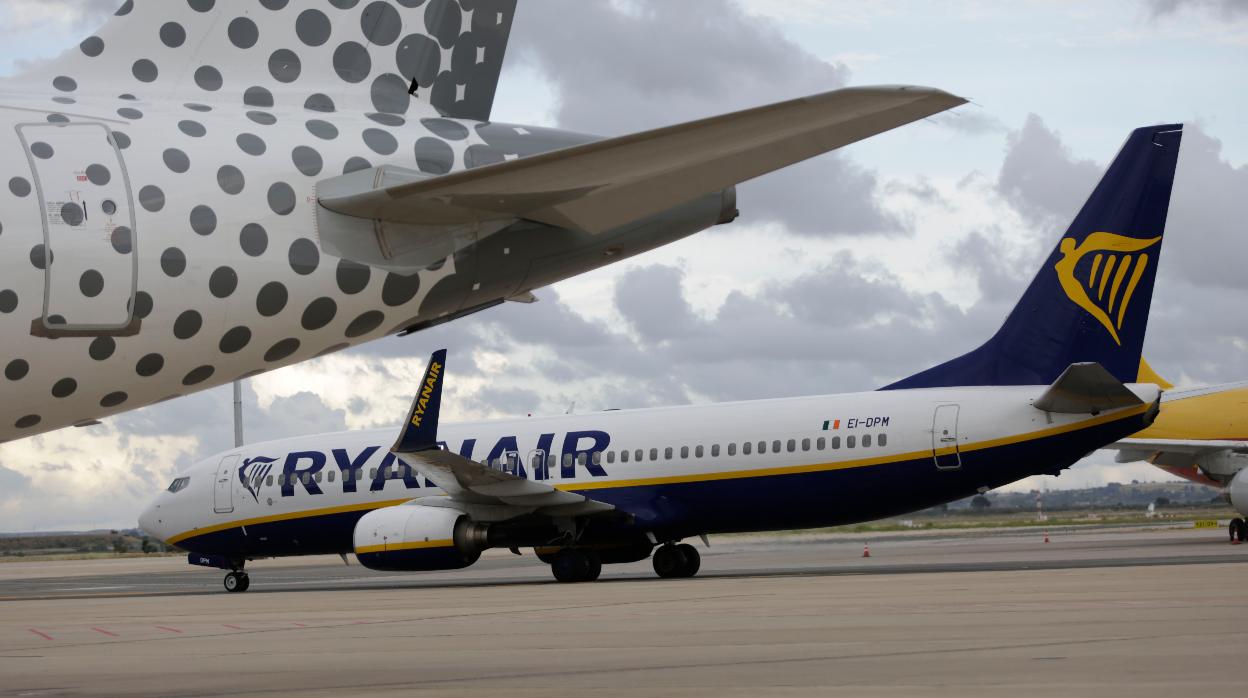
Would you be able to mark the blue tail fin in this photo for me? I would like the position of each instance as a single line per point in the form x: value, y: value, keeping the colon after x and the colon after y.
x: 1091, y: 299
x: 420, y: 431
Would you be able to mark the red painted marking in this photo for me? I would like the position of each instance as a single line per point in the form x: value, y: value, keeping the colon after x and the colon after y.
x: 231, y: 627
x: 40, y: 633
x: 300, y: 625
x: 168, y: 630
x: 102, y: 631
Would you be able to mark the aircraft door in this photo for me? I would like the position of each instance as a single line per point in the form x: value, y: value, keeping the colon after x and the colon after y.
x: 537, y: 465
x: 945, y: 438
x: 90, y: 250
x: 223, y: 499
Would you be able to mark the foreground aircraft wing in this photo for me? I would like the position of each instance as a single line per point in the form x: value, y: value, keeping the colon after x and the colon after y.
x: 1086, y: 388
x: 467, y: 482
x: 605, y: 184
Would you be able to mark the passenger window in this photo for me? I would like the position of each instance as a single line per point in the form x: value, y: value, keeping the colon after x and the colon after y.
x: 317, y: 477
x: 715, y: 451
x: 805, y: 444
x: 359, y: 475
x: 638, y: 455
x: 883, y: 440
x: 330, y: 476
x: 684, y: 452
x: 623, y: 456
x: 792, y: 445
x: 836, y: 442
x: 654, y: 454
x: 775, y: 447
x: 582, y: 459
x: 372, y: 473
x: 307, y: 478
x: 551, y: 462
x: 762, y: 447
x: 567, y: 460
x: 610, y: 456
x: 697, y: 452
x: 821, y: 443
x: 667, y: 453
x: 746, y: 447
x: 849, y: 441
x: 597, y: 458
x: 269, y: 481
x: 866, y: 441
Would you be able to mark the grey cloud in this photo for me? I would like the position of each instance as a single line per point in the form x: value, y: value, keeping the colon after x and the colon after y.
x: 626, y: 67
x: 1041, y: 179
x: 1224, y: 8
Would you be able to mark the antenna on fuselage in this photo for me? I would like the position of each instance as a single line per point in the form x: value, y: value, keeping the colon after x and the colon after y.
x: 238, y: 414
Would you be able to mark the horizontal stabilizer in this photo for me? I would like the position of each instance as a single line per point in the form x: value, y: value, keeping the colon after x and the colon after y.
x: 1086, y: 388
x: 602, y: 185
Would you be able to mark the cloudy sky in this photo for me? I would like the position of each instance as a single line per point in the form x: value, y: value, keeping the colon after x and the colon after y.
x: 843, y: 273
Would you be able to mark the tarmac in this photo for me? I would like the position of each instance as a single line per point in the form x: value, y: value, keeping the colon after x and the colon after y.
x: 1112, y: 612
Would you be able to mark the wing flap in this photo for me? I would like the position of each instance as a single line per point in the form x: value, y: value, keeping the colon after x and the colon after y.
x: 599, y: 186
x: 1191, y: 446
x: 1086, y: 388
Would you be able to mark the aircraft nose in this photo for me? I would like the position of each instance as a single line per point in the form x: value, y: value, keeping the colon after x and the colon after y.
x: 150, y: 522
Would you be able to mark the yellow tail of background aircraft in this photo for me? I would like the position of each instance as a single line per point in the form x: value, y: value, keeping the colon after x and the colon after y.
x: 1201, y: 435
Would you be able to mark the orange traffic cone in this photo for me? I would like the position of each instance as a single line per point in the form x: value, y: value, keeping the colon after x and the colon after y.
x: 866, y: 550
x: 1046, y: 536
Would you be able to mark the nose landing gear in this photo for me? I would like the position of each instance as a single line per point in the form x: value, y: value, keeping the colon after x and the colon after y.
x: 237, y: 581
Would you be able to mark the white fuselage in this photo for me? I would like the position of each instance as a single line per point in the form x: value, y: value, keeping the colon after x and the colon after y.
x: 701, y: 469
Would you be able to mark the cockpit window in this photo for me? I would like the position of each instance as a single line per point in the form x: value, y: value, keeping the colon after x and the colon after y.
x: 179, y: 484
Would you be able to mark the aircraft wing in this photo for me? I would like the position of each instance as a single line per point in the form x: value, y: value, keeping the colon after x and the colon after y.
x: 1186, y: 446
x: 485, y: 491
x: 598, y: 186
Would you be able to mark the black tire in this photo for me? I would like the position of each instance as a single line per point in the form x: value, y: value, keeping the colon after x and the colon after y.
x: 571, y: 566
x: 692, y: 560
x: 668, y: 561
x: 234, y: 582
x: 245, y: 582
x: 593, y: 568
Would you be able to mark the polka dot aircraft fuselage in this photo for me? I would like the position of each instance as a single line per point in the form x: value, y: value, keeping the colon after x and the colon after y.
x: 165, y: 224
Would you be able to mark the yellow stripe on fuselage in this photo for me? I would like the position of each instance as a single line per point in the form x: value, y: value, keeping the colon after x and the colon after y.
x: 701, y: 477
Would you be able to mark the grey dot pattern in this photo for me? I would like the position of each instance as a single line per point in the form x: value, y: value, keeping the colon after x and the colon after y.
x: 274, y: 64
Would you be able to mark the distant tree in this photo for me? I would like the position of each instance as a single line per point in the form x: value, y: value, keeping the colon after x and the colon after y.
x: 149, y: 547
x: 120, y: 546
x: 980, y: 503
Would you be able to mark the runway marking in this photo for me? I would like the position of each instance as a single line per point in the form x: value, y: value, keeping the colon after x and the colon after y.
x: 102, y: 631
x: 40, y: 633
x: 232, y: 627
x: 300, y: 625
x: 168, y: 629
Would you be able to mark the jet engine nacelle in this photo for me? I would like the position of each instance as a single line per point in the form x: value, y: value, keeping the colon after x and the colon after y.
x: 1238, y: 489
x: 415, y: 538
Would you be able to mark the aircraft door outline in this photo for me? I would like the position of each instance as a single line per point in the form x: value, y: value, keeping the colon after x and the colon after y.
x: 223, y: 497
x: 945, y: 451
x: 90, y: 235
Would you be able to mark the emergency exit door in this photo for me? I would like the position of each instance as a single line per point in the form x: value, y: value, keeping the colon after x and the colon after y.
x: 90, y: 250
x: 945, y: 438
x: 223, y: 499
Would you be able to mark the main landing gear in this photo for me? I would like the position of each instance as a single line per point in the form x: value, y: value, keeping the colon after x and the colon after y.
x: 570, y: 565
x: 1238, y: 530
x: 676, y: 561
x: 237, y: 581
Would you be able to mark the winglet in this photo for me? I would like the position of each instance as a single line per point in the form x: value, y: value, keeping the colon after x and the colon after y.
x: 420, y: 431
x: 1086, y: 388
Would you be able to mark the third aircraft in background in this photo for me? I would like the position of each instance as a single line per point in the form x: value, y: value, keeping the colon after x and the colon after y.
x: 1057, y: 381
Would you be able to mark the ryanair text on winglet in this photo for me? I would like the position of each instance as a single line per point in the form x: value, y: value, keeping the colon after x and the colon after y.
x: 431, y: 380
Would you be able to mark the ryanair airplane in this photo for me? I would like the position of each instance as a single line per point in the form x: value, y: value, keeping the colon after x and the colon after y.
x: 1057, y: 381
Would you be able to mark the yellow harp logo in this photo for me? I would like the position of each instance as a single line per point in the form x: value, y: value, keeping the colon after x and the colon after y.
x: 1102, y: 293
